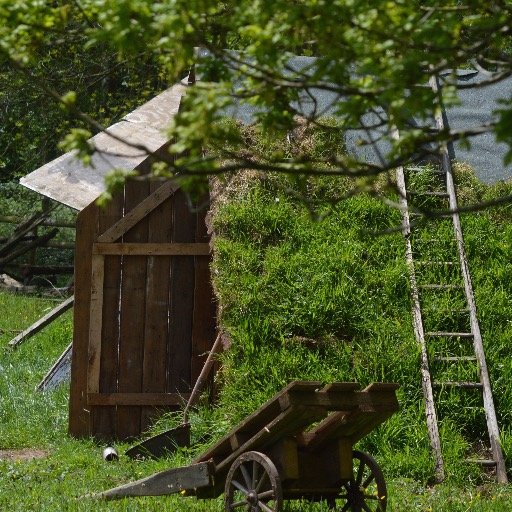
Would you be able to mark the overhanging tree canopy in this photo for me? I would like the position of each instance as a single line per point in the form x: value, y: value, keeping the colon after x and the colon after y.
x: 371, y: 57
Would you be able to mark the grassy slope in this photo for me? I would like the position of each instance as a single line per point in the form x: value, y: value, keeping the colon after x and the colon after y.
x: 301, y: 299
x: 329, y: 301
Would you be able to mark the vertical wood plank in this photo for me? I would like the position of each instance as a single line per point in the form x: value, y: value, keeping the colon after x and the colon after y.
x: 182, y: 300
x: 204, y: 315
x: 104, y: 418
x: 95, y: 324
x: 133, y: 291
x: 86, y: 229
x: 156, y: 325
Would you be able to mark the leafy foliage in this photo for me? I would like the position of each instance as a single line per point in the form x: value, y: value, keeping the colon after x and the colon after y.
x: 46, y: 57
x: 369, y: 58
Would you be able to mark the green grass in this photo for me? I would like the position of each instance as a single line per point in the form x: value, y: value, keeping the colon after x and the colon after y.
x: 301, y: 299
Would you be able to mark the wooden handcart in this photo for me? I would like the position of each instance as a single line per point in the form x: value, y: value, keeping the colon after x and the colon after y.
x: 298, y: 445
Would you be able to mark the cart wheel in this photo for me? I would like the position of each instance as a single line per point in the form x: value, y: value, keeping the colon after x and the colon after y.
x: 365, y: 491
x: 253, y: 485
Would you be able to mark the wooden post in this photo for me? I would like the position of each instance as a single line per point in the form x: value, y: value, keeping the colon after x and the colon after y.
x: 87, y: 227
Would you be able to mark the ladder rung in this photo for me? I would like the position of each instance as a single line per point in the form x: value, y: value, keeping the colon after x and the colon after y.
x: 482, y: 462
x: 451, y: 384
x: 429, y: 240
x: 422, y: 169
x: 448, y: 359
x: 429, y: 193
x: 434, y: 263
x: 449, y: 334
x: 440, y: 286
x: 446, y: 311
x: 432, y: 216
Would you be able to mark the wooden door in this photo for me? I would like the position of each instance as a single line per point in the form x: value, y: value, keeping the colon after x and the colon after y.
x: 145, y: 314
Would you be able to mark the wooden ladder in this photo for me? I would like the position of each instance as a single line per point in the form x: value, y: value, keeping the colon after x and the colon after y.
x: 444, y: 332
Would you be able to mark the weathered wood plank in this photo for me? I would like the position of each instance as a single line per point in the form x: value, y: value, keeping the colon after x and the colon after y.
x: 419, y: 331
x: 95, y: 326
x: 167, y: 482
x: 156, y: 324
x: 104, y: 418
x: 137, y: 399
x: 366, y: 401
x: 68, y: 180
x: 490, y: 411
x: 182, y: 299
x: 153, y: 249
x: 139, y: 212
x: 87, y: 225
x: 288, y: 423
x: 43, y: 322
x: 133, y: 300
x: 256, y: 421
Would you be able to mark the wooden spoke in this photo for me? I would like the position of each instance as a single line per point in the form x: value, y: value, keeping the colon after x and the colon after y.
x: 237, y: 504
x: 264, y: 507
x: 255, y: 472
x: 366, y: 490
x: 240, y: 487
x: 247, y: 477
x: 263, y: 480
x: 262, y: 491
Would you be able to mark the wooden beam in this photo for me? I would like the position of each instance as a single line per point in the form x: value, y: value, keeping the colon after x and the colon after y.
x: 152, y: 249
x: 419, y: 330
x: 96, y: 322
x: 42, y: 322
x: 79, y: 413
x: 39, y: 241
x: 11, y: 219
x: 136, y: 399
x: 139, y: 212
x: 170, y: 481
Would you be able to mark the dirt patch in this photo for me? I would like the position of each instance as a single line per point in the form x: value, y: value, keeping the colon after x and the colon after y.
x: 23, y: 454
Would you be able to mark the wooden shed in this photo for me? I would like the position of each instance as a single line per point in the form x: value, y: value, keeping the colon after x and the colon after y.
x: 144, y: 314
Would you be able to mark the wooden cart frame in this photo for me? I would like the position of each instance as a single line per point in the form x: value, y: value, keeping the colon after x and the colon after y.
x: 298, y: 445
